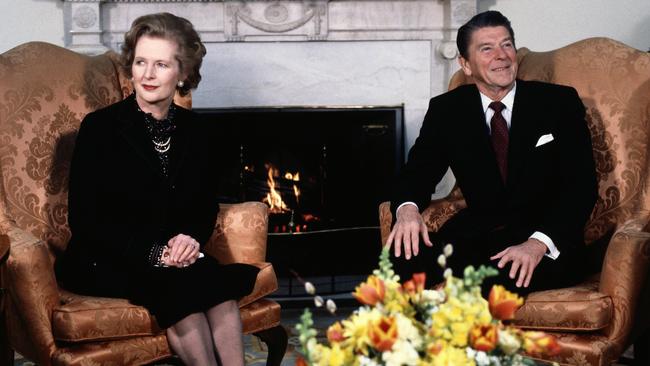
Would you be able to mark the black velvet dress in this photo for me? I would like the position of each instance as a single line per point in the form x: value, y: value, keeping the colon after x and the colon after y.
x: 134, y: 184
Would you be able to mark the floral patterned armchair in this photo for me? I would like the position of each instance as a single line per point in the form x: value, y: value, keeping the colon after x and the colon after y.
x: 598, y: 319
x: 45, y: 91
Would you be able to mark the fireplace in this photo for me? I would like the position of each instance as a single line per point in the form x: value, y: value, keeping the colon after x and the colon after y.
x: 322, y: 171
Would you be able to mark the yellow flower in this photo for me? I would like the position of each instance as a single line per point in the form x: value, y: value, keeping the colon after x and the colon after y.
x: 383, y: 333
x: 503, y: 303
x: 355, y: 328
x: 336, y: 356
x: 452, y: 356
x: 370, y: 292
x: 326, y: 356
x: 460, y: 333
x: 483, y: 337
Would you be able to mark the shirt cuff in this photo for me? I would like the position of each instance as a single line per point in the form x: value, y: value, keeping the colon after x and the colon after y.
x: 406, y: 203
x: 552, y: 253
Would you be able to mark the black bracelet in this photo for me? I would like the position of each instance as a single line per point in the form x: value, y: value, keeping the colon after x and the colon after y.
x: 155, y: 255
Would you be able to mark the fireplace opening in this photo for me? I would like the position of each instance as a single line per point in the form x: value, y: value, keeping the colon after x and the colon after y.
x: 322, y: 171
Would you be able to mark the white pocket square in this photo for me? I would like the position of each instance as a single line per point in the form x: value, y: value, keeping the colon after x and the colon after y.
x: 544, y: 139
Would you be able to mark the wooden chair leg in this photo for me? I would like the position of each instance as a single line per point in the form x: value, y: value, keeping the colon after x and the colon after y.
x: 641, y: 349
x: 276, y: 341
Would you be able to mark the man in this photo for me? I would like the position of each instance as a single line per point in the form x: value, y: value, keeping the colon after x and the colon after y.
x: 522, y: 156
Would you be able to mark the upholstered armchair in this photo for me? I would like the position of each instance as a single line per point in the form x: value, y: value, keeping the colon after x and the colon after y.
x: 45, y: 91
x: 598, y: 319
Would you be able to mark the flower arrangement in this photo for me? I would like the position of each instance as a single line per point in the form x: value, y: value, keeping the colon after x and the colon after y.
x: 406, y: 324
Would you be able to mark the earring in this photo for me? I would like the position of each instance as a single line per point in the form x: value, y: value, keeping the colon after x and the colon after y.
x: 180, y: 83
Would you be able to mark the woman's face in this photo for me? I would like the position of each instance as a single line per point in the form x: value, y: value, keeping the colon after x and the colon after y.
x: 156, y: 72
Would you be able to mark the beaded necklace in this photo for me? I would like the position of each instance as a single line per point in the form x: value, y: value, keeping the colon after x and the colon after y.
x: 160, y: 132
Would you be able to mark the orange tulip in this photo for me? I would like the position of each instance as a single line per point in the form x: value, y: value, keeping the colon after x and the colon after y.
x: 301, y: 361
x: 383, y: 333
x: 335, y: 333
x: 370, y: 292
x: 503, y: 303
x: 484, y: 337
x: 416, y: 284
x: 539, y: 344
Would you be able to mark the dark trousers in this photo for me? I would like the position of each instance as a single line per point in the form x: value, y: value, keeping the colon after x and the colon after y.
x: 476, y: 250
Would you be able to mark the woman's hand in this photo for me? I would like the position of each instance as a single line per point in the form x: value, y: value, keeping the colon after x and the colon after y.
x: 182, y: 251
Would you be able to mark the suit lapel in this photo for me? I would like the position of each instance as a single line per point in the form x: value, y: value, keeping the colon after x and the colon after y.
x: 522, y: 132
x: 181, y: 143
x: 134, y: 132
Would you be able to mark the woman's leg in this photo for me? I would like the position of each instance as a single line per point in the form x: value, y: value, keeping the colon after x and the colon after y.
x: 191, y: 340
x: 226, y: 327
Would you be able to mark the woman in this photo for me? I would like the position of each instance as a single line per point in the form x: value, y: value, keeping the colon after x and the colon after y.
x: 142, y: 201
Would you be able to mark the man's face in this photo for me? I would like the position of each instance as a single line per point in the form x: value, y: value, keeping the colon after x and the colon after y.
x: 492, y: 61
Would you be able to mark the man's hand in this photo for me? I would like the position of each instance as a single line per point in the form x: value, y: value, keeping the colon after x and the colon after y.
x: 525, y: 257
x: 408, y: 227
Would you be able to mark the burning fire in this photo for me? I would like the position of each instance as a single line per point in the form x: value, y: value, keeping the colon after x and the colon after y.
x: 274, y: 198
x: 295, y: 178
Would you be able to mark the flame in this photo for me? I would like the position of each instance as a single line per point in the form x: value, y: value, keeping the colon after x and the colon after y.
x: 274, y: 198
x: 296, y: 192
x: 294, y: 177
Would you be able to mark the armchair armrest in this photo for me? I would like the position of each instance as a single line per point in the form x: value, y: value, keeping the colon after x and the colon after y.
x: 240, y: 233
x: 28, y: 277
x: 435, y: 215
x: 623, y: 276
x: 240, y: 237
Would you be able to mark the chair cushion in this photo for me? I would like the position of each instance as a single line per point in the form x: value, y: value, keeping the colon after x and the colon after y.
x: 133, y: 351
x: 85, y: 318
x: 574, y: 309
x: 259, y: 315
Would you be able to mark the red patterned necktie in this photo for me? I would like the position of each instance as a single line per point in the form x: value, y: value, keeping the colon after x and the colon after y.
x: 499, y: 136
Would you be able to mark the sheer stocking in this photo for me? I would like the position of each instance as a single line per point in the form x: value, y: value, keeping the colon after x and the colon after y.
x: 191, y: 340
x: 226, y: 327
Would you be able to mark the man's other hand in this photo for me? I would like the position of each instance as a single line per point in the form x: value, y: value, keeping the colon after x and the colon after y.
x: 524, y: 257
x: 407, y: 230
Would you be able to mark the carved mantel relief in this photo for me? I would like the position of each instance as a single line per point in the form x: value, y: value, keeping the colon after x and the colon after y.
x: 92, y: 26
x: 306, y: 19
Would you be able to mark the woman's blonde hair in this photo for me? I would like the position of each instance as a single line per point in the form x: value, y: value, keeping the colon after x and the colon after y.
x: 171, y: 27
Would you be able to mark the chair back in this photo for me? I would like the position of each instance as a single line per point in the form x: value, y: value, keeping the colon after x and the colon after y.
x: 45, y: 92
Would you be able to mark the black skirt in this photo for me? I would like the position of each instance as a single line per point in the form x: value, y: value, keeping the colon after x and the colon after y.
x: 170, y: 294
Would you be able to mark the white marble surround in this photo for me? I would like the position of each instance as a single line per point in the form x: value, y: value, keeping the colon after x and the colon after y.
x: 301, y: 52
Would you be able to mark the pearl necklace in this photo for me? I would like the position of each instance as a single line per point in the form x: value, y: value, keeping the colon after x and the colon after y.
x: 162, y: 147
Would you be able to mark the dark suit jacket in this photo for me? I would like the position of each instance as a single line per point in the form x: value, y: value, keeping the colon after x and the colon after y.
x: 119, y: 203
x: 551, y: 188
